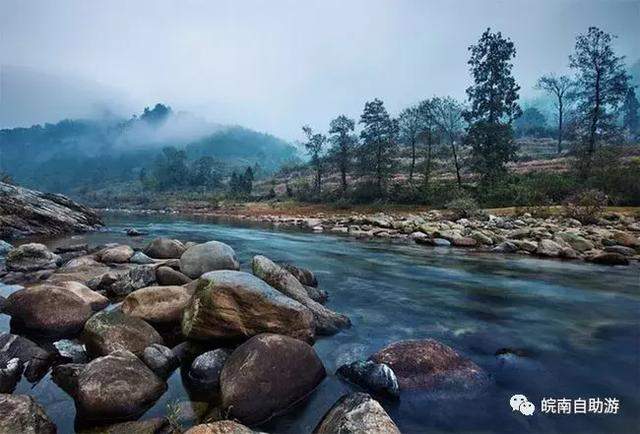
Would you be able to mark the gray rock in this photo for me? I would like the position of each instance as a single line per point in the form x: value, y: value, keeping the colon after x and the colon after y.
x: 31, y: 257
x: 111, y: 331
x: 71, y: 350
x: 327, y: 321
x: 10, y: 374
x: 304, y: 276
x: 376, y: 378
x: 66, y: 376
x: 22, y: 414
x: 622, y: 250
x: 164, y: 248
x: 35, y: 359
x: 356, y: 413
x: 316, y: 294
x: 204, y: 372
x: 441, y: 242
x: 608, y: 258
x: 139, y: 276
x: 210, y: 256
x: 5, y: 248
x: 115, y: 255
x: 28, y: 212
x: 548, y: 248
x: 140, y: 259
x: 81, y: 247
x: 251, y: 307
x: 505, y: 247
x: 160, y: 360
x: 133, y: 232
x: 116, y: 387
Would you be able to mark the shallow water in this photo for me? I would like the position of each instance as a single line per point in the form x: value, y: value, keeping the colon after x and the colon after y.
x: 578, y: 323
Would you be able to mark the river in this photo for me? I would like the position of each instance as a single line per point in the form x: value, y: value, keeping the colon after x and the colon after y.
x: 576, y: 324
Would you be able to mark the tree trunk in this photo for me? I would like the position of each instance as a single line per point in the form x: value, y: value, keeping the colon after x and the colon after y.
x: 455, y: 161
x: 560, y: 111
x: 427, y: 171
x: 594, y: 126
x: 379, y: 169
x: 413, y: 159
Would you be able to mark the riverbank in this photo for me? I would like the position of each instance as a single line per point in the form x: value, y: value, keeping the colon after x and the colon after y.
x: 612, y: 239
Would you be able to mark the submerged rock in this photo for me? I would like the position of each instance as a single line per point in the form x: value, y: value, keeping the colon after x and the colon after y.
x: 234, y: 304
x: 164, y: 248
x: 157, y: 304
x: 429, y: 365
x: 210, y: 256
x: 117, y: 386
x: 22, y: 414
x: 267, y: 375
x: 356, y: 413
x: 327, y: 321
x: 31, y: 257
x: 106, y: 332
x: 376, y: 378
x: 49, y: 310
x: 608, y: 258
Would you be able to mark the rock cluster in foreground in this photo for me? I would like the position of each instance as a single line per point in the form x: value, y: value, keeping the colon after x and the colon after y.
x: 122, y: 321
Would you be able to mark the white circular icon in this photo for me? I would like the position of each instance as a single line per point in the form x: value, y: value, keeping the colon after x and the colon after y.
x: 521, y: 403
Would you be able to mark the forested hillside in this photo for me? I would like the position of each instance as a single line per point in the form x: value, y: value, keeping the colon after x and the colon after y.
x: 74, y: 156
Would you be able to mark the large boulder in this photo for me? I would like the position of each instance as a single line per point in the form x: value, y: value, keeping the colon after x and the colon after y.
x: 204, y: 373
x: 267, y: 375
x: 31, y: 257
x: 168, y: 276
x: 220, y: 427
x: 117, y: 386
x: 27, y: 212
x: 576, y: 241
x: 22, y: 414
x: 356, y: 413
x: 164, y: 248
x: 48, y: 310
x: 428, y: 365
x: 548, y: 248
x: 35, y: 359
x: 327, y: 321
x: 626, y: 239
x: 210, y: 256
x: 376, y: 378
x: 234, y: 304
x: 157, y: 304
x: 106, y: 332
x: 94, y: 299
x: 115, y: 255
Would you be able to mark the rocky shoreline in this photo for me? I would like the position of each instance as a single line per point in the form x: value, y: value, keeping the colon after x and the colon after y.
x: 613, y: 240
x: 110, y: 322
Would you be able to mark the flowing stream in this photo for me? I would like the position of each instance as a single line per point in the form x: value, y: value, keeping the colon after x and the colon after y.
x: 577, y: 325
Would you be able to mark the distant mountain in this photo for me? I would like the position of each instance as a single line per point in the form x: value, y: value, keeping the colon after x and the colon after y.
x: 85, y: 154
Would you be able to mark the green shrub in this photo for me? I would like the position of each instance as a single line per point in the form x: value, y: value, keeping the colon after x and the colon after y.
x: 464, y: 206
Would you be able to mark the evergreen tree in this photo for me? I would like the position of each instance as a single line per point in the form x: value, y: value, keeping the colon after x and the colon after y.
x: 630, y: 119
x: 560, y: 87
x: 343, y: 142
x: 314, y: 145
x: 493, y: 98
x: 246, y: 182
x: 602, y: 83
x: 378, y: 148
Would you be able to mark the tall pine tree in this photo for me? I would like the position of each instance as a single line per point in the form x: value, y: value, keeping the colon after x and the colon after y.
x: 378, y: 149
x: 493, y: 98
x: 343, y: 142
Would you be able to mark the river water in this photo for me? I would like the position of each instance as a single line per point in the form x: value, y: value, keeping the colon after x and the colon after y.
x: 576, y: 325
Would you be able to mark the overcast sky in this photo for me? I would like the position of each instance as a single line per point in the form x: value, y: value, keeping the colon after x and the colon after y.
x: 273, y: 65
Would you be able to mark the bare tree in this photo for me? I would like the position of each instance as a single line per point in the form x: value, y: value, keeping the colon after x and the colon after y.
x: 448, y: 117
x: 411, y: 127
x: 314, y: 145
x: 560, y: 87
